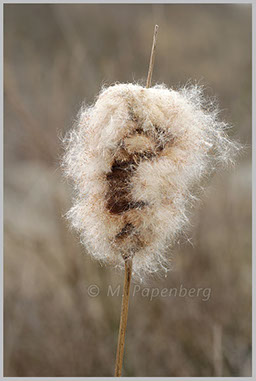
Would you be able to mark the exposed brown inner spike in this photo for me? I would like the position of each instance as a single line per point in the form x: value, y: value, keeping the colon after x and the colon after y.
x: 119, y: 198
x: 127, y: 230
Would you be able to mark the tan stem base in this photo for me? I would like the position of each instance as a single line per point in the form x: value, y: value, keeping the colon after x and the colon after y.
x: 123, y: 319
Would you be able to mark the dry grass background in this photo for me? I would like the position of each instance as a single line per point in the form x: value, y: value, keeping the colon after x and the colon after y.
x: 57, y: 56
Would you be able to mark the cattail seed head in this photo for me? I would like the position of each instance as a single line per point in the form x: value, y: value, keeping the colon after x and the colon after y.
x: 136, y: 159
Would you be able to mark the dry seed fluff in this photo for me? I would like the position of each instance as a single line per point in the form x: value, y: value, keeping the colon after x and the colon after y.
x: 136, y: 158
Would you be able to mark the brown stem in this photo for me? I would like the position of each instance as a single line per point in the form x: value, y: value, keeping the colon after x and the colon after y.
x: 128, y: 262
x: 152, y: 58
x: 123, y: 319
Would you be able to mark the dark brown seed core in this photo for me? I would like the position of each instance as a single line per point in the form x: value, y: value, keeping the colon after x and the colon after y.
x: 127, y: 230
x: 119, y: 199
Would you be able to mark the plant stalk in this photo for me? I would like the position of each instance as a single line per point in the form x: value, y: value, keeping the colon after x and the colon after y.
x: 128, y: 262
x: 152, y: 58
x: 123, y: 319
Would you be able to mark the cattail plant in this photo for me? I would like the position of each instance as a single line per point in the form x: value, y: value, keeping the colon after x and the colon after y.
x: 137, y: 159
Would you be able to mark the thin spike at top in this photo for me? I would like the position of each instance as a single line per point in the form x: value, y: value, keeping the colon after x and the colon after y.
x: 152, y: 58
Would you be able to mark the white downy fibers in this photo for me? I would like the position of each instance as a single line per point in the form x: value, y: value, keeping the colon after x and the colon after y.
x: 137, y: 158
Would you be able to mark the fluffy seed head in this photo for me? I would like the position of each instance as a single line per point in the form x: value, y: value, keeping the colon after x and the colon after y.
x: 137, y: 159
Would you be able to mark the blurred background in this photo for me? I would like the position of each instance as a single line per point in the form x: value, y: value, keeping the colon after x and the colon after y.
x: 56, y: 57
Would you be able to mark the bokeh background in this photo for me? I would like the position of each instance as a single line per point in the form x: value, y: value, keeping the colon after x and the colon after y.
x: 56, y: 57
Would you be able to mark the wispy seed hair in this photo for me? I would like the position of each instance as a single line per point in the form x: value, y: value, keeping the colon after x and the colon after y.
x: 137, y: 158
